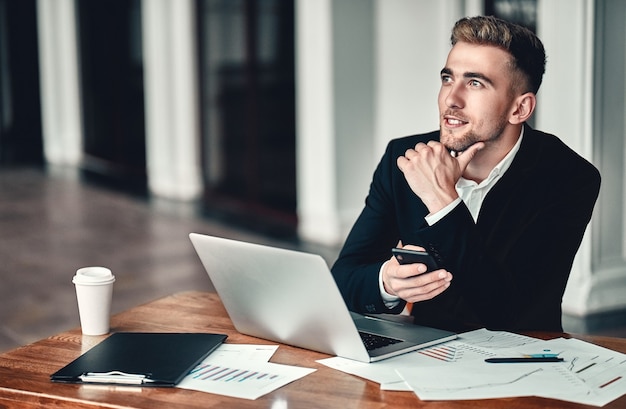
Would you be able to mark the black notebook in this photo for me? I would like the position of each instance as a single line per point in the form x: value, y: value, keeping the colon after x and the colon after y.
x: 140, y: 358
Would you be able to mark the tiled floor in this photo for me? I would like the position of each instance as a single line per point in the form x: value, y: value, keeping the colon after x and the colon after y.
x: 52, y: 223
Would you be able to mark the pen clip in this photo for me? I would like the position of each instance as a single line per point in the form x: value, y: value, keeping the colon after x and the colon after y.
x: 542, y: 355
x: 546, y: 353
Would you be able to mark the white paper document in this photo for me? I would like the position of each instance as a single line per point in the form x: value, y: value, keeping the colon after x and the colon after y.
x: 473, y: 345
x: 455, y: 370
x: 495, y: 340
x: 481, y: 380
x: 384, y: 372
x: 602, y: 370
x: 244, y: 352
x: 241, y: 371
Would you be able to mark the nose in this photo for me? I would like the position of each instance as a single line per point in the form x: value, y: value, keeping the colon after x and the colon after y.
x: 452, y: 96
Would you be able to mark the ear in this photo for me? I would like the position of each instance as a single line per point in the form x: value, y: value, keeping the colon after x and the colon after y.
x: 523, y: 108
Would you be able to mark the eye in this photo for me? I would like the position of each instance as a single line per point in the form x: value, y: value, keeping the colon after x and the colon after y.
x: 475, y: 84
x: 446, y: 79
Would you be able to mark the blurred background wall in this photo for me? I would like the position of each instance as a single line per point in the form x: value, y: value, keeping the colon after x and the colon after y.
x: 272, y: 114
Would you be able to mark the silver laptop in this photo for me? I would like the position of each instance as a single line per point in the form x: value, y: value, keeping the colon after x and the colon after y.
x: 291, y: 297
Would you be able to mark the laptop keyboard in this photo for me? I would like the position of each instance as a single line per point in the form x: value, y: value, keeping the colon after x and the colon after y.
x: 373, y: 341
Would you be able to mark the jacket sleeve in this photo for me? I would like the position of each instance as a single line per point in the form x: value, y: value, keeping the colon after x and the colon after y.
x: 370, y: 240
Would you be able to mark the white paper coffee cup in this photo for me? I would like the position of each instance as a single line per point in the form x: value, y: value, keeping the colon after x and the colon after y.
x: 94, y: 291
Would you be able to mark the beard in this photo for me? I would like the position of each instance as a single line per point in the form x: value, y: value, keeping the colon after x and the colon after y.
x: 460, y: 142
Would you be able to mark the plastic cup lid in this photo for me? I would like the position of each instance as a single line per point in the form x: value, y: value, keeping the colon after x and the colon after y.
x: 93, y: 275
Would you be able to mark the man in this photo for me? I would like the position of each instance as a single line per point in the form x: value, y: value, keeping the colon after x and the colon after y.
x: 501, y: 206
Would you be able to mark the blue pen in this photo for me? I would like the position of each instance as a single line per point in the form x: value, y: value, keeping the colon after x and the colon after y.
x: 522, y: 360
x: 545, y: 356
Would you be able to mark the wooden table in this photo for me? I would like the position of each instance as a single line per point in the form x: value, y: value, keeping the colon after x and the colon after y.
x: 25, y: 372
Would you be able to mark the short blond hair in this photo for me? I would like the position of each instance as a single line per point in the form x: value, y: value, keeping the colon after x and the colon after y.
x: 528, y: 56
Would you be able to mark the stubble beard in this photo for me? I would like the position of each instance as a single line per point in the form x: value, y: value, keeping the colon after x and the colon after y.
x: 461, y: 142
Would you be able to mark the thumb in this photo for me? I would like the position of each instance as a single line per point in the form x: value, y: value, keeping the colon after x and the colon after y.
x: 467, y: 155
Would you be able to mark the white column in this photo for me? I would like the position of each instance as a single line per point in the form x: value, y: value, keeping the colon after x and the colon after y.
x: 367, y: 71
x: 171, y: 100
x: 566, y: 109
x: 412, y: 46
x: 569, y: 62
x: 315, y: 151
x: 60, y: 90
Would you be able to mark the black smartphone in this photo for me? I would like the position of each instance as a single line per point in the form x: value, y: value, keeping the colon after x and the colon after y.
x: 406, y: 256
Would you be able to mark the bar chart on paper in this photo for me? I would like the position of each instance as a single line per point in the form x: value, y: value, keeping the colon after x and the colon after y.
x: 220, y: 373
x: 480, y: 343
x: 247, y: 380
x: 455, y: 351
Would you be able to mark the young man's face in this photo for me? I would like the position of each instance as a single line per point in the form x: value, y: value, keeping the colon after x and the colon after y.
x: 475, y: 98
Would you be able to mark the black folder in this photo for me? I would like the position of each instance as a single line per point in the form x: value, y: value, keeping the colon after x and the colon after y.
x: 140, y: 358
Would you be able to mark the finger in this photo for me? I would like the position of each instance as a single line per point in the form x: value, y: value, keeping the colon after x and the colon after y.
x: 401, y: 162
x: 429, y: 295
x: 414, y: 247
x: 405, y: 160
x: 466, y: 156
x: 408, y: 271
x: 426, y: 292
x: 425, y: 282
x: 435, y: 144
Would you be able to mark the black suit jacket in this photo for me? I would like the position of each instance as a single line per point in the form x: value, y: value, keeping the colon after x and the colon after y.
x: 509, y: 268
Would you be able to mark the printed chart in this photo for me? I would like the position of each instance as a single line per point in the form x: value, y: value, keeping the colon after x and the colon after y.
x: 241, y: 371
x: 220, y: 373
x: 455, y: 351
